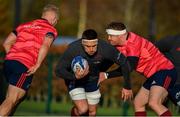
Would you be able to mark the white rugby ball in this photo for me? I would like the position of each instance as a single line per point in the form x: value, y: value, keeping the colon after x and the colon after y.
x: 78, y: 62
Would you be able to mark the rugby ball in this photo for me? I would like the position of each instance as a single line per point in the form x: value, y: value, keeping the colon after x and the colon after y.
x: 78, y: 63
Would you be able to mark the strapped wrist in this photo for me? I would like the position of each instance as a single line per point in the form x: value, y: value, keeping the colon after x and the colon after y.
x: 106, y: 75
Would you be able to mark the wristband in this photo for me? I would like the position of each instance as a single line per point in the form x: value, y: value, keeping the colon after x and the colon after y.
x: 106, y: 75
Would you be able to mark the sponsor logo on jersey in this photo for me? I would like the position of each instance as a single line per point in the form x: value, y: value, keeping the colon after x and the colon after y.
x: 32, y: 26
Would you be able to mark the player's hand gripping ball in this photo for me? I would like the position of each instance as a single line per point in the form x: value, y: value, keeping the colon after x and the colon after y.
x: 79, y: 63
x: 80, y: 66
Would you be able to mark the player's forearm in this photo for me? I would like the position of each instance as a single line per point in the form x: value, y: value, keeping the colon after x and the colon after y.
x: 42, y: 54
x: 7, y: 47
x: 114, y: 73
x: 126, y: 70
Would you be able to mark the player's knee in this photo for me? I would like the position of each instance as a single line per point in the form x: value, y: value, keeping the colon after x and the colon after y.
x: 153, y: 104
x: 83, y: 110
x: 14, y: 99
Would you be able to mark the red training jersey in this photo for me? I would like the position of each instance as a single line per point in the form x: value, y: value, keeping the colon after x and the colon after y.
x: 30, y: 37
x: 150, y: 59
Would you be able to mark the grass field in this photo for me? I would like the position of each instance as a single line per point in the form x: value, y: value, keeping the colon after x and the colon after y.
x: 31, y: 108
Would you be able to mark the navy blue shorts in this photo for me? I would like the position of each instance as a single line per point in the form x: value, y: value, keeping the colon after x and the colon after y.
x: 15, y: 73
x: 88, y: 85
x: 163, y: 78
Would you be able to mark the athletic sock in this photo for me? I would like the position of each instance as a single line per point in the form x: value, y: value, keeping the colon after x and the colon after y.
x: 73, y: 112
x: 166, y: 114
x: 85, y: 114
x: 140, y: 114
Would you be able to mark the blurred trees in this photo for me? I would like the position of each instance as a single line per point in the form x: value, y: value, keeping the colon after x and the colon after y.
x: 133, y: 13
x: 6, y: 17
x: 82, y: 17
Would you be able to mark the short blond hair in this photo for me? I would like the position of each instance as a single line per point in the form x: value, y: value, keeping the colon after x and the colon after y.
x: 51, y: 7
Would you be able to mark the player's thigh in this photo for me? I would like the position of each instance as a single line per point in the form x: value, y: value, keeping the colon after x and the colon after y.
x: 142, y: 97
x: 157, y: 94
x: 93, y: 97
x: 15, y: 73
x: 79, y: 97
x: 77, y: 93
x: 162, y: 82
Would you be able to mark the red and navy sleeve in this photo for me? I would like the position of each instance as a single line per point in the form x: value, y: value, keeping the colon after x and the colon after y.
x: 117, y: 57
x: 52, y: 32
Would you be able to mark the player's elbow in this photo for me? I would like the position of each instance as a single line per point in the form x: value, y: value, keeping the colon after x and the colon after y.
x: 6, y: 47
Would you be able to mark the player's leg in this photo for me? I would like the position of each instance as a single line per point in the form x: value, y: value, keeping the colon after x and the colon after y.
x: 141, y: 99
x: 156, y: 98
x: 17, y: 105
x: 163, y: 81
x: 18, y: 85
x: 140, y: 102
x: 80, y: 102
x: 80, y: 108
x: 93, y: 100
x: 92, y: 110
x: 14, y: 94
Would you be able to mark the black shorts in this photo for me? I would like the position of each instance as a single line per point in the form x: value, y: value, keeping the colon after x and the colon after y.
x: 88, y: 83
x: 15, y: 73
x: 163, y: 78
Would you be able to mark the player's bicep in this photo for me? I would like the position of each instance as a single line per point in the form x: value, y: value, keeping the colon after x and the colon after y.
x: 50, y: 35
x: 48, y: 39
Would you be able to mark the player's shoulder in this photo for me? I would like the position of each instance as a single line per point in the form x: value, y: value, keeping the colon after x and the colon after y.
x: 45, y: 25
x: 135, y: 38
x: 75, y: 45
x: 24, y: 25
x: 104, y: 46
x: 103, y: 43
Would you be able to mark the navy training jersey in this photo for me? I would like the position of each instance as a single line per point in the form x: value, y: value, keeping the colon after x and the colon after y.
x: 105, y: 52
